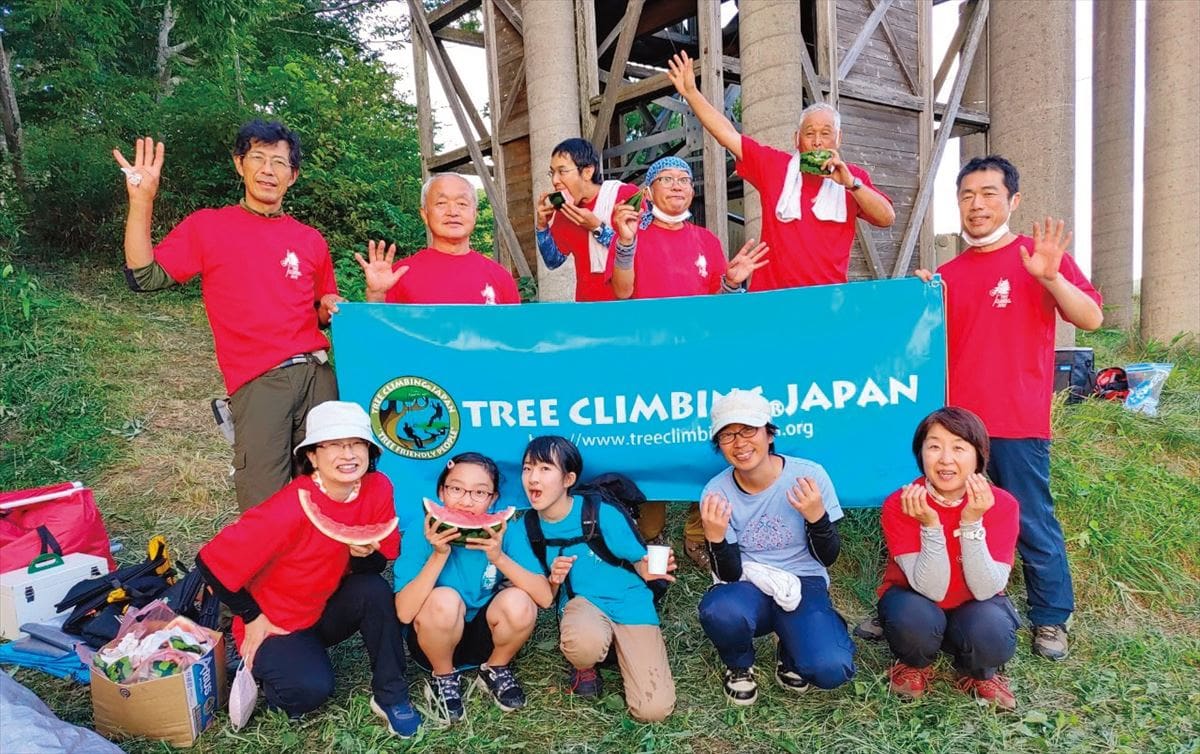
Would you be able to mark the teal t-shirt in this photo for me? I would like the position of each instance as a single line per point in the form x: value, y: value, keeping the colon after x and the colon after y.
x: 467, y: 572
x: 623, y: 596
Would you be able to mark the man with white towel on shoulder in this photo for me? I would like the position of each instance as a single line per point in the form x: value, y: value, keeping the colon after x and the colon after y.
x: 807, y: 219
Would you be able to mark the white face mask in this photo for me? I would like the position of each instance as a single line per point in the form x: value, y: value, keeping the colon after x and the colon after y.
x: 664, y: 217
x: 987, y: 240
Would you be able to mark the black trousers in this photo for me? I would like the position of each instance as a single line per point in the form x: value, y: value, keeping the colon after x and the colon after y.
x: 294, y: 670
x: 980, y: 635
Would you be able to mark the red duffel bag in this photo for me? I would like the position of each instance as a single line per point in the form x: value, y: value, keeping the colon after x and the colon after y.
x: 62, y: 518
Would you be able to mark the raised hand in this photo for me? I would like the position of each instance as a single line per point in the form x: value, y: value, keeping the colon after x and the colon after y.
x: 489, y: 544
x: 1049, y: 245
x: 625, y: 221
x: 328, y: 306
x: 560, y: 568
x: 923, y: 274
x: 362, y: 551
x: 979, y: 499
x: 643, y: 569
x: 584, y: 218
x: 748, y: 259
x: 805, y: 497
x: 377, y: 268
x: 141, y: 178
x: 545, y: 211
x: 837, y: 169
x: 914, y: 504
x: 682, y: 74
x: 439, y: 540
x: 715, y: 512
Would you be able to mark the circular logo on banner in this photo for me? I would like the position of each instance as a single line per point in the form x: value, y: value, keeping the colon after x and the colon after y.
x: 415, y: 418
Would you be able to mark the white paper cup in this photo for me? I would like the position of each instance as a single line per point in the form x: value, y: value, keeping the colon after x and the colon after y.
x: 659, y: 554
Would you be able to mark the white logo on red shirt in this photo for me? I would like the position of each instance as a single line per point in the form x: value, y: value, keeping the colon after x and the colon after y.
x: 1000, y: 294
x: 489, y: 294
x: 702, y: 265
x: 291, y: 265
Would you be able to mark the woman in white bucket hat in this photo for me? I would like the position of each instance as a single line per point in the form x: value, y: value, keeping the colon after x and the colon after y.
x: 301, y: 572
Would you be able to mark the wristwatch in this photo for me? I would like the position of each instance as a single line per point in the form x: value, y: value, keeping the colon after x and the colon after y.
x: 856, y: 184
x: 975, y: 533
x: 599, y: 231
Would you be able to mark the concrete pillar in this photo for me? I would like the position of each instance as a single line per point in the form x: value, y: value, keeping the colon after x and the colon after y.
x: 552, y: 85
x: 772, y: 92
x: 1031, y: 91
x: 1113, y: 45
x: 1171, y: 226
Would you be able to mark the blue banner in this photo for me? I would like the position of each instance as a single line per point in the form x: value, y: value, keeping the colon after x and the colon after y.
x: 850, y: 369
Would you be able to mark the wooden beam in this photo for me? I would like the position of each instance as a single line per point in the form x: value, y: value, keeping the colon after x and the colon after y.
x: 608, y: 105
x: 588, y: 69
x: 424, y: 104
x: 450, y: 11
x: 925, y: 255
x: 951, y: 52
x: 862, y: 231
x: 651, y: 140
x: 510, y: 96
x: 648, y: 88
x: 459, y: 36
x: 827, y: 45
x: 809, y: 74
x: 890, y: 36
x: 863, y: 38
x: 712, y: 86
x: 511, y: 13
x: 457, y: 157
x: 502, y: 227
x: 460, y: 89
x: 925, y: 191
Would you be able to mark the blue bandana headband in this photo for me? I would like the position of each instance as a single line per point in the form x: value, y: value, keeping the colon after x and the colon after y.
x: 667, y: 163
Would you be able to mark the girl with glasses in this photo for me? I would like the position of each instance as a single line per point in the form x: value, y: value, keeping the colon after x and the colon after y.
x: 471, y: 604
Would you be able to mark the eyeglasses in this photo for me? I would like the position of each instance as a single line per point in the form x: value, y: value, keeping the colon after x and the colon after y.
x: 726, y: 437
x: 453, y: 491
x: 258, y: 159
x: 670, y: 180
x: 560, y: 172
x: 353, y: 446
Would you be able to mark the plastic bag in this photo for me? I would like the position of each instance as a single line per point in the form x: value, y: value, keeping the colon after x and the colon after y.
x: 243, y: 698
x: 1146, y: 382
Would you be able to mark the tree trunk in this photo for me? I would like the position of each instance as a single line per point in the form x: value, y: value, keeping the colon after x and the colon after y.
x: 168, y: 52
x: 11, y: 118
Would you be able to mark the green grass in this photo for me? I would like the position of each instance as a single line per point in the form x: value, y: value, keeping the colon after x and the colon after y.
x: 112, y: 388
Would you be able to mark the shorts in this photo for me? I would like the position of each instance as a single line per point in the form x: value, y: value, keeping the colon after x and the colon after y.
x: 473, y: 648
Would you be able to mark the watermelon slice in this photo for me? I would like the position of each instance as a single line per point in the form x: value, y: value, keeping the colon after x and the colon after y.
x: 347, y: 534
x: 469, y: 525
x: 811, y: 162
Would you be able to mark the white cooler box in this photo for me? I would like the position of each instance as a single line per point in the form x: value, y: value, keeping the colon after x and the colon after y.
x: 28, y: 595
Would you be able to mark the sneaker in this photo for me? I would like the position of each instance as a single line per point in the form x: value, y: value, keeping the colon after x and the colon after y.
x: 444, y: 693
x: 740, y: 686
x: 790, y: 680
x: 697, y: 551
x: 869, y: 628
x: 1050, y: 641
x: 909, y: 682
x: 586, y: 683
x: 994, y: 690
x: 402, y: 719
x: 499, y: 681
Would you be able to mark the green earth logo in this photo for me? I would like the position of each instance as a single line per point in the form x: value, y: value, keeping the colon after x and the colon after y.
x: 415, y: 418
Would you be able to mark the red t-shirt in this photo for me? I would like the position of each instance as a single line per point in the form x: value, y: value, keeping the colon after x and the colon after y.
x: 902, y: 534
x: 1000, y: 335
x: 261, y: 279
x: 807, y: 251
x: 684, y: 262
x: 289, y: 567
x: 572, y: 240
x: 435, y: 277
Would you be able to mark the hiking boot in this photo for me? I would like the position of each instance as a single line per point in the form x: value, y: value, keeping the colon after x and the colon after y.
x: 499, y: 681
x: 1050, y: 641
x: 740, y: 686
x: 994, y: 690
x: 586, y: 683
x: 402, y: 719
x: 909, y: 682
x: 697, y: 551
x: 869, y: 628
x: 790, y: 680
x: 444, y: 693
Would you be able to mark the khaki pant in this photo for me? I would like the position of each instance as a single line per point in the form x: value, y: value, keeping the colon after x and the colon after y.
x: 585, y: 636
x: 652, y: 519
x: 268, y: 422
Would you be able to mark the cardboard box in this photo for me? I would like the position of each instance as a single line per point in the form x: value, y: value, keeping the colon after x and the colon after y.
x: 29, y: 596
x: 175, y: 709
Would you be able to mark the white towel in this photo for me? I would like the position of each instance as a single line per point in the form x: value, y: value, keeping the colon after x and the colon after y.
x: 605, y: 201
x: 830, y: 204
x: 783, y: 587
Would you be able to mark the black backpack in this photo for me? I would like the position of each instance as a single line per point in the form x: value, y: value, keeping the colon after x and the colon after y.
x: 616, y: 490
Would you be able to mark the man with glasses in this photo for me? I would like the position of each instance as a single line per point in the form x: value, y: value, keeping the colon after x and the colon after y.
x: 808, y: 219
x: 268, y: 287
x: 575, y: 221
